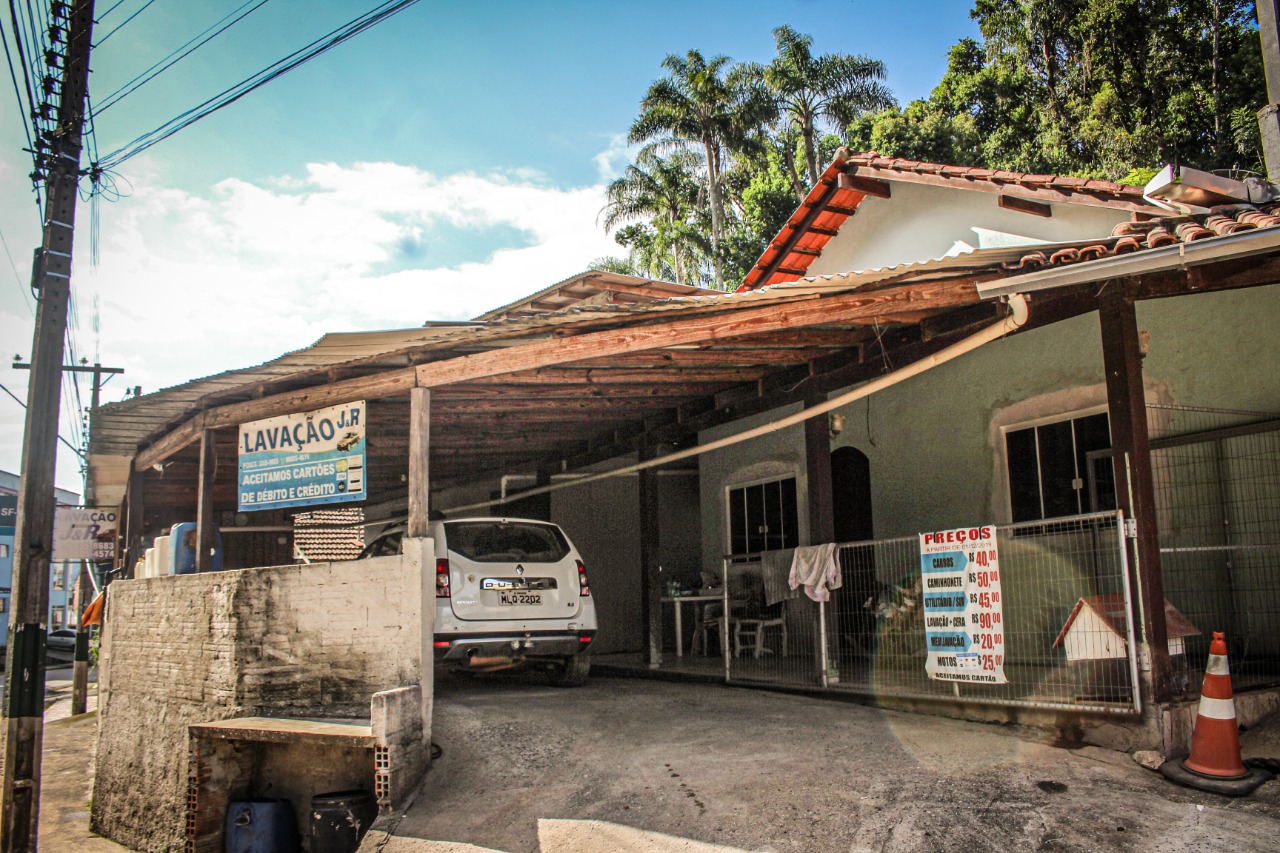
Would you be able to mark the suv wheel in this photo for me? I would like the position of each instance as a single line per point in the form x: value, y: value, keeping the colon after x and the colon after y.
x: 573, y: 673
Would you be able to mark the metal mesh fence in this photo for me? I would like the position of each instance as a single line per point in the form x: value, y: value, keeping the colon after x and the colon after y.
x: 870, y: 636
x: 1217, y: 482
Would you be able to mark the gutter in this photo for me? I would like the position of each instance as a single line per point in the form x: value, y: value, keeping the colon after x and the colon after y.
x: 1181, y: 256
x: 1016, y: 319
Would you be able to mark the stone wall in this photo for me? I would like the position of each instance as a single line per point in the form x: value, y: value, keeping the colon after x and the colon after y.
x: 309, y: 641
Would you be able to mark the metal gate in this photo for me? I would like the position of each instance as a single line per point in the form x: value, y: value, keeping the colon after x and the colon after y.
x: 1217, y: 483
x: 869, y: 638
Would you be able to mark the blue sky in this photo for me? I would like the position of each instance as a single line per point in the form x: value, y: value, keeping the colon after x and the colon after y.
x: 447, y: 161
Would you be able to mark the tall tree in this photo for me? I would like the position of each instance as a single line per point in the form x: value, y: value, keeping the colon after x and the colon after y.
x: 710, y: 104
x: 812, y: 91
x: 664, y: 192
x: 1095, y: 87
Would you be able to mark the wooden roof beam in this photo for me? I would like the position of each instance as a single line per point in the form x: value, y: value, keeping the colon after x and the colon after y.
x: 566, y: 348
x: 850, y: 180
x: 1022, y: 205
x: 797, y: 230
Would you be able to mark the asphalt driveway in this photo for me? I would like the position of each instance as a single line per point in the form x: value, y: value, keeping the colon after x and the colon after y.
x: 627, y: 764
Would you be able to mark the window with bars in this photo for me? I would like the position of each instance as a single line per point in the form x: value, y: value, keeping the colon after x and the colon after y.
x: 1049, y: 468
x: 763, y: 517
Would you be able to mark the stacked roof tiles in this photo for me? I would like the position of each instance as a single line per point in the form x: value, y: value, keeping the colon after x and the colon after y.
x: 329, y: 534
x: 1154, y: 233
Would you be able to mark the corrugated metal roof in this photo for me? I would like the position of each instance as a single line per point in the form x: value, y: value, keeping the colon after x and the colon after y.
x: 120, y: 427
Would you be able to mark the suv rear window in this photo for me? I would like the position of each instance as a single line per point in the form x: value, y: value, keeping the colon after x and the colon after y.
x: 506, y: 541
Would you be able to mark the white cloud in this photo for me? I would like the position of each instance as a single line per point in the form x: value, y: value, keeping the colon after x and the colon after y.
x: 194, y: 285
x: 613, y: 161
x: 191, y: 286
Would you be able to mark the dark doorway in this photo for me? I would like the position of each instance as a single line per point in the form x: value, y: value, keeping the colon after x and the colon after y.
x: 854, y: 604
x: 851, y: 494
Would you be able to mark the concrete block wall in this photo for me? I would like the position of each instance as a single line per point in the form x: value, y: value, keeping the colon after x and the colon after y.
x: 315, y: 640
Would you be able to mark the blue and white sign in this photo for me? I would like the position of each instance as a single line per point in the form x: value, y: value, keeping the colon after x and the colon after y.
x: 304, y: 459
x: 963, y: 614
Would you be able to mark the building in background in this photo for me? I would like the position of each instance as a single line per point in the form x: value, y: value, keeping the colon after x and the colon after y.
x: 62, y: 576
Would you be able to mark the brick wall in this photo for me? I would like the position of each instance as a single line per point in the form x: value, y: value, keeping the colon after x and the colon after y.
x: 315, y: 640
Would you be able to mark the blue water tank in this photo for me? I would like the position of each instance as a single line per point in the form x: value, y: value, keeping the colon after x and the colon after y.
x: 182, y: 549
x: 261, y: 826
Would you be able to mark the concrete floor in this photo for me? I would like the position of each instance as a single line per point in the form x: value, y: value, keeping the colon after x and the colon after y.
x: 639, y: 765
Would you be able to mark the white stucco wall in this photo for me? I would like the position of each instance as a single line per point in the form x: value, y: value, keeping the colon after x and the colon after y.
x: 936, y: 442
x: 774, y: 456
x: 920, y: 222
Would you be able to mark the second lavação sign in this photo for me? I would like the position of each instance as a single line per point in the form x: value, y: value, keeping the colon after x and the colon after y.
x: 303, y: 459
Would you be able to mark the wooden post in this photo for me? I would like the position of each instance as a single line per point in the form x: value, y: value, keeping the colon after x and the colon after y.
x: 204, y: 502
x: 80, y: 665
x: 651, y: 577
x: 419, y: 525
x: 1268, y: 12
x: 1135, y: 491
x: 817, y: 451
x: 135, y: 505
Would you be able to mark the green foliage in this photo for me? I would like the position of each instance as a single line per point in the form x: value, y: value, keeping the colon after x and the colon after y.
x: 1093, y: 88
x: 1138, y: 177
x: 920, y: 132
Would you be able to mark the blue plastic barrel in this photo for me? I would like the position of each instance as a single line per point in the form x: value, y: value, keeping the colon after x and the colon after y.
x: 261, y: 826
x: 183, y: 546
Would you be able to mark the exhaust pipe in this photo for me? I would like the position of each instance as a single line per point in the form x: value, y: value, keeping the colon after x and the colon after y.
x: 491, y: 663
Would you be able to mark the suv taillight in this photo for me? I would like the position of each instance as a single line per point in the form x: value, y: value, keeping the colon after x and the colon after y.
x: 583, y: 590
x: 442, y: 577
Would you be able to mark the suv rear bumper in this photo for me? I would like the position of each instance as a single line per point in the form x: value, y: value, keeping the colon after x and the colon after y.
x: 560, y: 644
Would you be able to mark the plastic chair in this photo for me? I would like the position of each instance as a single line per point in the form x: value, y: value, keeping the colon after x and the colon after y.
x: 711, y: 618
x: 749, y: 631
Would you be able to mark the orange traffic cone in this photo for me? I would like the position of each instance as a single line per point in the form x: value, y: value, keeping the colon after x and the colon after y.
x: 1215, y: 763
x: 1215, y: 743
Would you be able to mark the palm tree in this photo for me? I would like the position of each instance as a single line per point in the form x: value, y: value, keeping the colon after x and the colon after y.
x: 704, y: 102
x: 664, y: 192
x: 834, y: 89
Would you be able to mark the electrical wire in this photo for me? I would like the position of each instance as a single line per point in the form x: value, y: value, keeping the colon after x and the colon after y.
x: 178, y: 55
x: 23, y: 109
x: 17, y: 276
x: 271, y: 72
x: 123, y: 23
x: 17, y: 400
x: 19, y: 45
x: 114, y: 6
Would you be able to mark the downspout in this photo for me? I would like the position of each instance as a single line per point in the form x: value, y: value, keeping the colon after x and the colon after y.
x: 1016, y: 319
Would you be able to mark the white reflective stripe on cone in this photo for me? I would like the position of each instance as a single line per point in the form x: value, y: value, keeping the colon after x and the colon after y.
x: 1217, y: 709
x: 1217, y: 665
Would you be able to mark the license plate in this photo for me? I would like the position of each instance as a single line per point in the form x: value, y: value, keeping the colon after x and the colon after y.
x: 519, y: 598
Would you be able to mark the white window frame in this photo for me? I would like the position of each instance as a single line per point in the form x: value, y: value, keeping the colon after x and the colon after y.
x: 746, y: 484
x: 1045, y: 420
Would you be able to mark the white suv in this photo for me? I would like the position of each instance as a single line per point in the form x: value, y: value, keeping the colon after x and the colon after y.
x: 509, y: 592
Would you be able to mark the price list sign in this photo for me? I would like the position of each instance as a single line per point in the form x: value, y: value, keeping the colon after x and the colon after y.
x: 963, y: 617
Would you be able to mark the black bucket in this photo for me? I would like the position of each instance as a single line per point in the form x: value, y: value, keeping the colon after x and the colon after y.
x: 339, y: 820
x: 261, y: 826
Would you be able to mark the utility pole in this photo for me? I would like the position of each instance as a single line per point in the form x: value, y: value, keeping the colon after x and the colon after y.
x: 80, y: 664
x: 33, y: 541
x: 1269, y: 116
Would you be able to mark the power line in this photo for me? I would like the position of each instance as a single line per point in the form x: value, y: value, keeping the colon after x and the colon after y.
x: 26, y: 297
x: 122, y: 24
x: 22, y: 58
x: 24, y: 405
x: 165, y: 63
x: 23, y: 109
x: 249, y: 84
x: 114, y: 6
